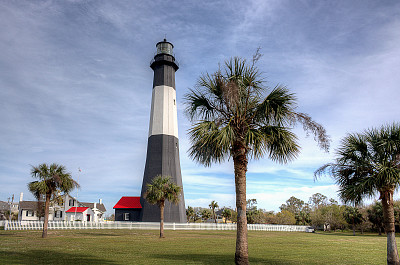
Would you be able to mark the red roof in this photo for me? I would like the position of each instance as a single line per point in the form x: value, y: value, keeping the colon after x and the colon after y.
x: 77, y: 209
x: 127, y: 202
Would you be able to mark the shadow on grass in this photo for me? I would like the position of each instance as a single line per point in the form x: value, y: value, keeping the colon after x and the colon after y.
x: 48, y: 257
x: 97, y: 234
x: 10, y: 234
x: 212, y: 259
x: 350, y: 234
x: 7, y: 234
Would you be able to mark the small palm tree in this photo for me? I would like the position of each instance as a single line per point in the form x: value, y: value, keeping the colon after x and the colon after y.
x: 353, y: 217
x: 375, y: 216
x: 158, y: 191
x: 213, y: 205
x: 205, y: 214
x: 233, y: 118
x: 367, y: 164
x: 52, y: 181
x: 189, y: 213
x: 227, y: 214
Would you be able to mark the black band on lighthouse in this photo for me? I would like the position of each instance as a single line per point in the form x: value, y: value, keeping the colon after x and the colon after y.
x: 163, y: 159
x: 164, y: 67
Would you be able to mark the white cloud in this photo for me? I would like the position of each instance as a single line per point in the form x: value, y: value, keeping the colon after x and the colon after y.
x: 207, y: 181
x: 273, y: 199
x: 227, y: 200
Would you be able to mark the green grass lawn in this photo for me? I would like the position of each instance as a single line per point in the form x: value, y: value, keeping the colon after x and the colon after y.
x: 187, y: 247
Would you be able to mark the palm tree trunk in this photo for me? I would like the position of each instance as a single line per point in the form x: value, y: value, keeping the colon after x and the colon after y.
x: 46, y: 215
x: 388, y: 219
x: 162, y: 219
x: 240, y: 165
x: 354, y: 228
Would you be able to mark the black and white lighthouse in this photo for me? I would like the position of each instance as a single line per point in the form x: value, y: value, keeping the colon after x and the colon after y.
x: 163, y: 144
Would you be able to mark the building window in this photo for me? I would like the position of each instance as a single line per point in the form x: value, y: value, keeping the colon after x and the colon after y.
x: 29, y: 213
x: 71, y: 202
x: 88, y: 217
x: 58, y: 214
x: 126, y: 216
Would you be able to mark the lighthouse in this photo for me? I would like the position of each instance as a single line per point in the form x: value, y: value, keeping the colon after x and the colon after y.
x: 163, y: 145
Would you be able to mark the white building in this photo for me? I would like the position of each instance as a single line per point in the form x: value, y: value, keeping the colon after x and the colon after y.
x: 84, y: 214
x: 69, y: 210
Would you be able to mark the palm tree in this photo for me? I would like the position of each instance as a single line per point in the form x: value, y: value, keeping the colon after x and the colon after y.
x: 375, y: 216
x: 226, y: 213
x: 189, y: 213
x: 53, y: 179
x: 233, y: 119
x: 213, y: 205
x: 158, y: 191
x: 205, y: 214
x: 368, y: 163
x: 353, y: 217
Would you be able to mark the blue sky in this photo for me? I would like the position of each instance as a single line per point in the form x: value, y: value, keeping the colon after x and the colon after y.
x: 75, y: 86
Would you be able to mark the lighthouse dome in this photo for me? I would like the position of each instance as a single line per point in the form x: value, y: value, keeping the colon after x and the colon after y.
x: 165, y: 47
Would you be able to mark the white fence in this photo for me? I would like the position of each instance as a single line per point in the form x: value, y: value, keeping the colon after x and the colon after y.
x: 54, y: 225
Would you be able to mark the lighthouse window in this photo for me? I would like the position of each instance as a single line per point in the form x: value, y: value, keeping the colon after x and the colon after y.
x: 164, y: 48
x: 174, y: 102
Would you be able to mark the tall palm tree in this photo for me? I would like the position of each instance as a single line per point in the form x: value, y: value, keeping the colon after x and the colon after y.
x: 53, y: 179
x: 158, y: 191
x: 368, y: 163
x: 234, y: 119
x: 213, y: 205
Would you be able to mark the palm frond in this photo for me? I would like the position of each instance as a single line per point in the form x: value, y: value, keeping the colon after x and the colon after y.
x: 280, y: 143
x: 277, y: 108
x: 209, y: 142
x: 211, y: 84
x: 311, y: 126
x: 198, y: 106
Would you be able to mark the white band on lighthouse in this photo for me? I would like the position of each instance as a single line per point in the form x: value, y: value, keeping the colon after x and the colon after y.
x: 163, y: 116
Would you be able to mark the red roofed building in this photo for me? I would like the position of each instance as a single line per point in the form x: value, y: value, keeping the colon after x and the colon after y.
x: 77, y: 209
x: 84, y: 214
x: 128, y: 208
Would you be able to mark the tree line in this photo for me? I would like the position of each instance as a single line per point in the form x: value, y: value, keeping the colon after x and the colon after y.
x: 320, y: 212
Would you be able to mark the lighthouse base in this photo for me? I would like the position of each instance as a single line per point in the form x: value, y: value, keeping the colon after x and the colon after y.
x: 162, y: 159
